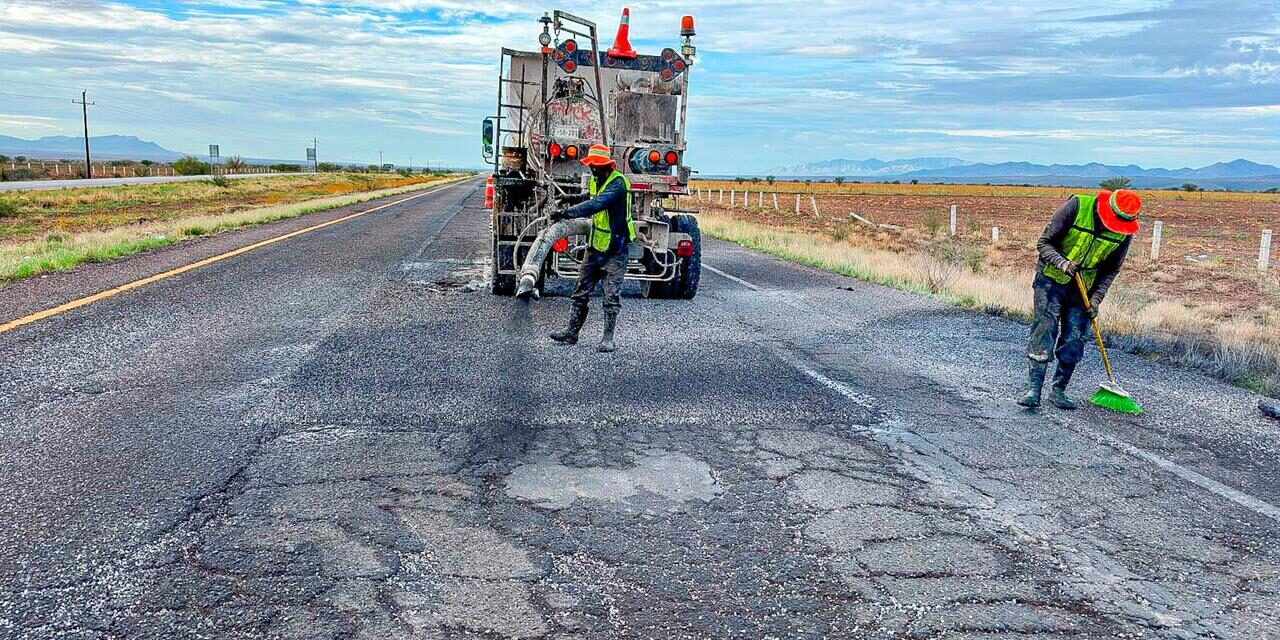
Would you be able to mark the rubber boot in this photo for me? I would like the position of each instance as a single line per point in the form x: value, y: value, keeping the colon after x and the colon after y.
x: 1058, y: 395
x: 1035, y: 385
x: 577, y: 317
x: 606, y: 341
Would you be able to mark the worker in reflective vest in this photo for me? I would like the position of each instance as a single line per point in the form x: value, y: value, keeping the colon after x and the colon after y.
x: 612, y: 230
x: 1089, y: 235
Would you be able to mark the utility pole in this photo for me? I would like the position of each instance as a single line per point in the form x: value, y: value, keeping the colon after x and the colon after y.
x: 84, y: 104
x: 315, y: 160
x: 380, y: 165
x: 410, y: 164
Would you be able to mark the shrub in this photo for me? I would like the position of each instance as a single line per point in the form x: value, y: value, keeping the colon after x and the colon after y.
x: 328, y: 167
x: 839, y: 181
x: 147, y: 163
x: 190, y: 166
x: 287, y: 168
x: 219, y: 181
x: 1115, y: 184
x: 1190, y: 187
x: 18, y: 175
x: 235, y: 164
x: 769, y: 179
x: 404, y: 172
x: 8, y: 209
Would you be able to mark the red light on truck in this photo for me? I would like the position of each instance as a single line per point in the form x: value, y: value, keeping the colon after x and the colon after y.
x: 572, y: 151
x: 554, y: 151
x: 655, y: 157
x: 684, y: 249
x: 672, y: 158
x: 686, y: 27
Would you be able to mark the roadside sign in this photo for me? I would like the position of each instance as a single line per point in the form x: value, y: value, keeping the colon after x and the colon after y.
x: 213, y: 151
x: 311, y: 154
x: 388, y: 167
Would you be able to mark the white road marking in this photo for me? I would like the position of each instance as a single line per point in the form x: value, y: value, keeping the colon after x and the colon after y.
x: 1204, y: 482
x: 733, y: 278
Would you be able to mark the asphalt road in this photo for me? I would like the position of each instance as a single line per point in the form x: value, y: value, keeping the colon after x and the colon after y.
x: 38, y: 185
x: 339, y: 436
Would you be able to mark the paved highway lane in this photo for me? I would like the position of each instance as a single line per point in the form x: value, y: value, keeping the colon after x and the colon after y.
x: 338, y: 436
x: 37, y: 185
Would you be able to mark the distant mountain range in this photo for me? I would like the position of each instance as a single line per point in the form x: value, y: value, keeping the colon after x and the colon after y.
x: 1237, y: 174
x: 103, y: 147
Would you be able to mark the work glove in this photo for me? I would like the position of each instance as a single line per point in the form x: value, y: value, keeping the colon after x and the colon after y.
x: 558, y: 216
x: 1092, y: 312
x: 1070, y: 267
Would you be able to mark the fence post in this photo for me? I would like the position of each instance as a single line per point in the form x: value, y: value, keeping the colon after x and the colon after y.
x: 1264, y: 251
x: 746, y: 201
x: 761, y: 203
x: 775, y: 200
x: 733, y: 195
x: 1156, y: 234
x: 797, y: 204
x: 813, y: 200
x: 995, y: 235
x: 721, y: 196
x: 953, y: 219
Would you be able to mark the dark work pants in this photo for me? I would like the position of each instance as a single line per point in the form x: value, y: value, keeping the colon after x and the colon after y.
x: 1060, y: 326
x: 609, y: 268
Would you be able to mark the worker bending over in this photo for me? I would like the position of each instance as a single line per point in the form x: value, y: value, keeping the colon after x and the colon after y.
x: 1088, y: 235
x: 612, y: 230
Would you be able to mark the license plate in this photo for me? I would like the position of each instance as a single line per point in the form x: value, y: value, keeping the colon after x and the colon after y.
x: 566, y: 132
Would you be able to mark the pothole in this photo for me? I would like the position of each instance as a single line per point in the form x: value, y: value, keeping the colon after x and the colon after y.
x: 448, y: 275
x: 676, y: 477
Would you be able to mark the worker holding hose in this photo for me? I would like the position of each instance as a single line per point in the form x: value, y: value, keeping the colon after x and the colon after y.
x: 1089, y: 235
x: 612, y: 229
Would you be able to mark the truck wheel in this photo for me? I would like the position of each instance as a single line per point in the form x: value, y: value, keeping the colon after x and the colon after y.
x: 689, y: 274
x: 500, y: 285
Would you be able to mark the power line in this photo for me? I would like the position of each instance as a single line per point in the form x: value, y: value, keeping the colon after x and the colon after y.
x: 23, y: 95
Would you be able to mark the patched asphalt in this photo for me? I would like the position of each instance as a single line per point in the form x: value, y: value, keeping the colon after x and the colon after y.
x: 344, y: 435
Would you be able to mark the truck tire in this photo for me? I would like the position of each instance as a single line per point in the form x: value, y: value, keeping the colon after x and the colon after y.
x: 500, y: 285
x: 685, y: 286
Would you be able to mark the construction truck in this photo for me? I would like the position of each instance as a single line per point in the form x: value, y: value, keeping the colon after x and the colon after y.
x: 553, y: 104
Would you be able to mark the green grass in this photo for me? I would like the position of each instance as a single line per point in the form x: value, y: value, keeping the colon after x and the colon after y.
x: 61, y: 251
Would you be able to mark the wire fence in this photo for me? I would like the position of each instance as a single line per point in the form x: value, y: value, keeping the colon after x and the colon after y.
x: 36, y: 170
x: 1206, y: 245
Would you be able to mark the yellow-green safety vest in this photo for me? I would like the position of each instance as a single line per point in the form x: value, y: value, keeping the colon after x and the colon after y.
x: 601, y: 232
x: 1087, y: 244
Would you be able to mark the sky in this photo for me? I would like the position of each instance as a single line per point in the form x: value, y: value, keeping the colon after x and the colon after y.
x: 1169, y: 83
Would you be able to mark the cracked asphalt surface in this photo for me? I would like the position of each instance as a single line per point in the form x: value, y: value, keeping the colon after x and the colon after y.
x: 344, y: 436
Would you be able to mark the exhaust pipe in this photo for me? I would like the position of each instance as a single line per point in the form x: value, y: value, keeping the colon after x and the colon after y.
x: 531, y: 270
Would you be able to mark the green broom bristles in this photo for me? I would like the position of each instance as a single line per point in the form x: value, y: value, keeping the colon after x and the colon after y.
x: 1113, y: 401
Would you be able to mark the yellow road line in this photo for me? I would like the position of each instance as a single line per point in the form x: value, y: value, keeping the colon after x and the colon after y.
x: 103, y: 295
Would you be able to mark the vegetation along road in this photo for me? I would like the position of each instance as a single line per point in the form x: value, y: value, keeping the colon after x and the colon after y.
x: 343, y: 435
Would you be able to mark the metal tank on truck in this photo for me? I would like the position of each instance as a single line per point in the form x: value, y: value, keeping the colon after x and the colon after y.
x: 553, y: 104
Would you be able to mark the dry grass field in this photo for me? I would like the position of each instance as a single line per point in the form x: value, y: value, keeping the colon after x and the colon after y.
x: 1204, y: 302
x: 54, y: 230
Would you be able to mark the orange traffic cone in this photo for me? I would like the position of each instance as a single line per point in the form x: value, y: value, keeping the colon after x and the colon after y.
x: 622, y: 44
x: 488, y: 193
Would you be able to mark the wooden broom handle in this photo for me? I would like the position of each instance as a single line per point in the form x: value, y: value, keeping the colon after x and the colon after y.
x: 1097, y: 331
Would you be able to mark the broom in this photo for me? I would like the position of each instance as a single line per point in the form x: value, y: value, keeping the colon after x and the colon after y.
x: 1110, y: 394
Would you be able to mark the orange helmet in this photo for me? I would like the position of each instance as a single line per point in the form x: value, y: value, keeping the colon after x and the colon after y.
x: 1119, y: 210
x: 599, y: 156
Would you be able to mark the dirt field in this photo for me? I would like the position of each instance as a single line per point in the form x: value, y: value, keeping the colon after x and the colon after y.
x: 1210, y: 240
